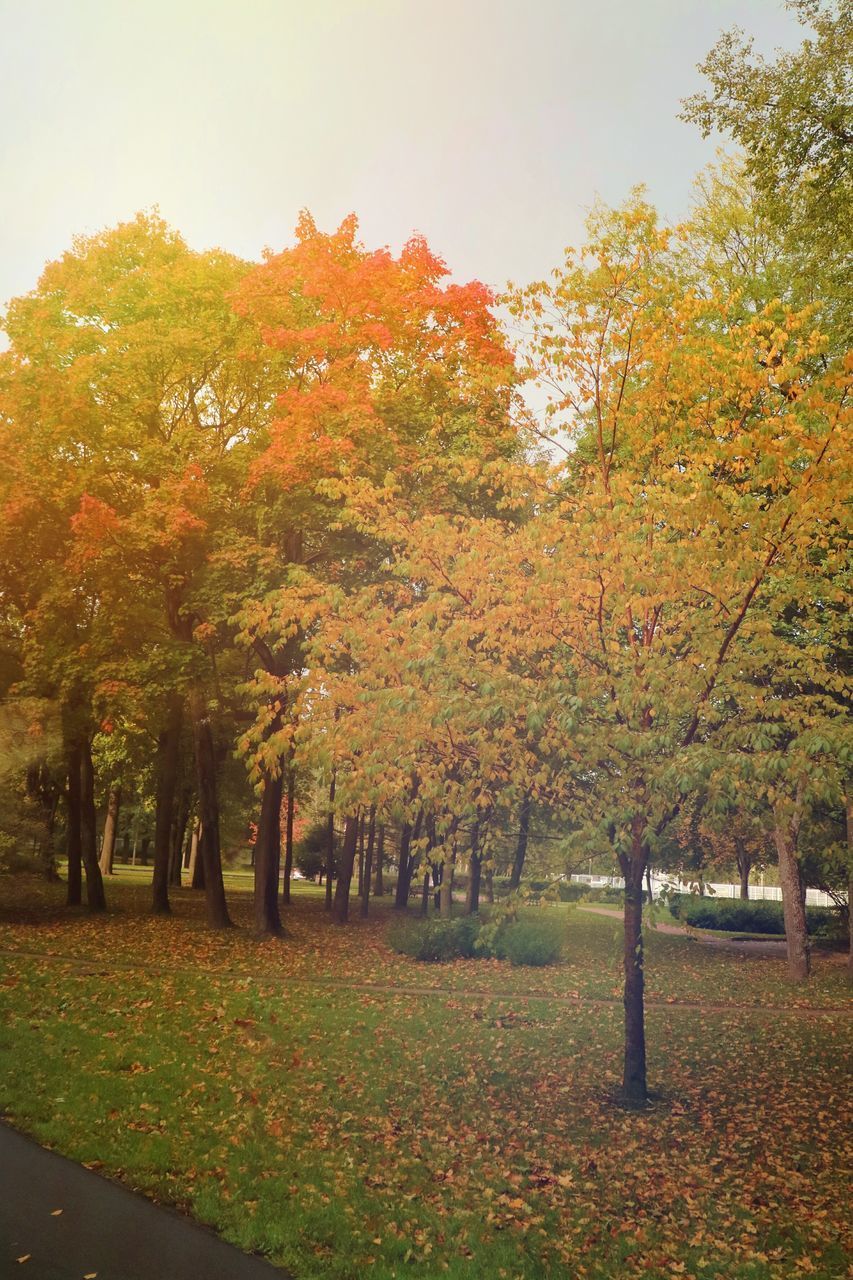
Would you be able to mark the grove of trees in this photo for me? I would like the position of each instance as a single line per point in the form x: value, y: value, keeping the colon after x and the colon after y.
x: 287, y: 538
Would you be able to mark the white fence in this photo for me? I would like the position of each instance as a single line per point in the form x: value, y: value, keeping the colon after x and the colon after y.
x: 770, y: 892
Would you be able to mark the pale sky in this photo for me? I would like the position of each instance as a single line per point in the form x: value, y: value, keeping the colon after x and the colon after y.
x: 487, y: 125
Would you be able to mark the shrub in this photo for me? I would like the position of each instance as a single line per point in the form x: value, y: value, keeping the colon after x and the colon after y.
x: 533, y: 942
x: 742, y: 916
x: 433, y: 940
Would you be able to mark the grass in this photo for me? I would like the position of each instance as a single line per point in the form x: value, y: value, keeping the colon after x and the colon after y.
x: 412, y: 1128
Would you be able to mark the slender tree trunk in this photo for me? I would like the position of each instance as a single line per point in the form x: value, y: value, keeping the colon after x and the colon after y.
x: 425, y: 894
x: 360, y: 856
x: 744, y: 866
x: 378, y: 882
x: 74, y: 894
x: 472, y: 902
x: 634, y: 1086
x: 848, y: 814
x: 406, y: 862
x: 108, y: 847
x: 401, y: 894
x: 793, y: 908
x: 330, y: 845
x: 195, y: 860
x: 521, y: 847
x: 268, y: 858
x: 489, y: 878
x: 368, y: 861
x: 340, y: 914
x: 176, y: 853
x: 95, y: 897
x: 208, y: 803
x: 168, y: 758
x: 445, y: 889
x: 288, y: 835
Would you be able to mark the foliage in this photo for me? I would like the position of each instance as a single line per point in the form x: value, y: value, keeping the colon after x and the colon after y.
x: 531, y: 942
x: 436, y: 939
x: 791, y: 116
x: 742, y: 917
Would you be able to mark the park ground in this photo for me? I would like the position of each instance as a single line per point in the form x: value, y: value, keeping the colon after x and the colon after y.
x: 346, y: 1111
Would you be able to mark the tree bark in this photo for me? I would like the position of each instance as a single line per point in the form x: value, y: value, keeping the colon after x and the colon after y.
x: 445, y: 889
x: 74, y: 893
x: 360, y: 889
x: 401, y: 893
x: 166, y: 769
x: 195, y: 860
x: 268, y: 857
x: 848, y: 814
x: 472, y: 900
x: 521, y: 847
x: 95, y: 897
x: 340, y: 913
x: 330, y: 845
x: 368, y: 861
x: 425, y: 894
x: 378, y: 882
x: 108, y: 847
x: 744, y: 866
x: 288, y: 835
x: 179, y: 832
x: 208, y: 803
x: 793, y: 905
x: 634, y: 1085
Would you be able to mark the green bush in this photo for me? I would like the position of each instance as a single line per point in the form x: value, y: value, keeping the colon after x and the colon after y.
x: 533, y: 942
x: 741, y: 916
x: 433, y: 940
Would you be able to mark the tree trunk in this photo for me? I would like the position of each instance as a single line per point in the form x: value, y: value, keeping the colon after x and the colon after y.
x: 489, y: 877
x: 425, y: 894
x: 634, y: 1086
x: 195, y: 860
x: 166, y: 771
x: 74, y: 894
x: 368, y: 861
x: 378, y: 882
x: 521, y: 847
x: 401, y: 894
x: 208, y: 804
x: 108, y: 848
x: 95, y: 897
x: 744, y: 866
x: 793, y: 908
x: 360, y: 860
x: 288, y: 836
x: 268, y: 858
x: 340, y: 914
x: 179, y: 831
x: 848, y: 814
x: 330, y: 845
x: 472, y: 901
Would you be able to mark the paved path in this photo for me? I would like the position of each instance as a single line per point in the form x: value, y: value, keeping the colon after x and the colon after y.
x: 104, y: 1230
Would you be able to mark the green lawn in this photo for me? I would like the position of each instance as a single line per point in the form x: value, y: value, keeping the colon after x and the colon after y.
x: 427, y: 1120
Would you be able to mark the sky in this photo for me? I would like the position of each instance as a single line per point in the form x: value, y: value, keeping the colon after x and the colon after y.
x: 489, y: 126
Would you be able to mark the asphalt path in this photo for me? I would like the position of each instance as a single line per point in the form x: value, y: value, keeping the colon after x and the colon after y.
x: 104, y: 1232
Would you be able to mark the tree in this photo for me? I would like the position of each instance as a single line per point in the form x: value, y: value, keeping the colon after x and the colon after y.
x: 793, y: 119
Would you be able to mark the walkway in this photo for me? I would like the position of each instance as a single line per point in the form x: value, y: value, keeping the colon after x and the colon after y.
x: 104, y: 1231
